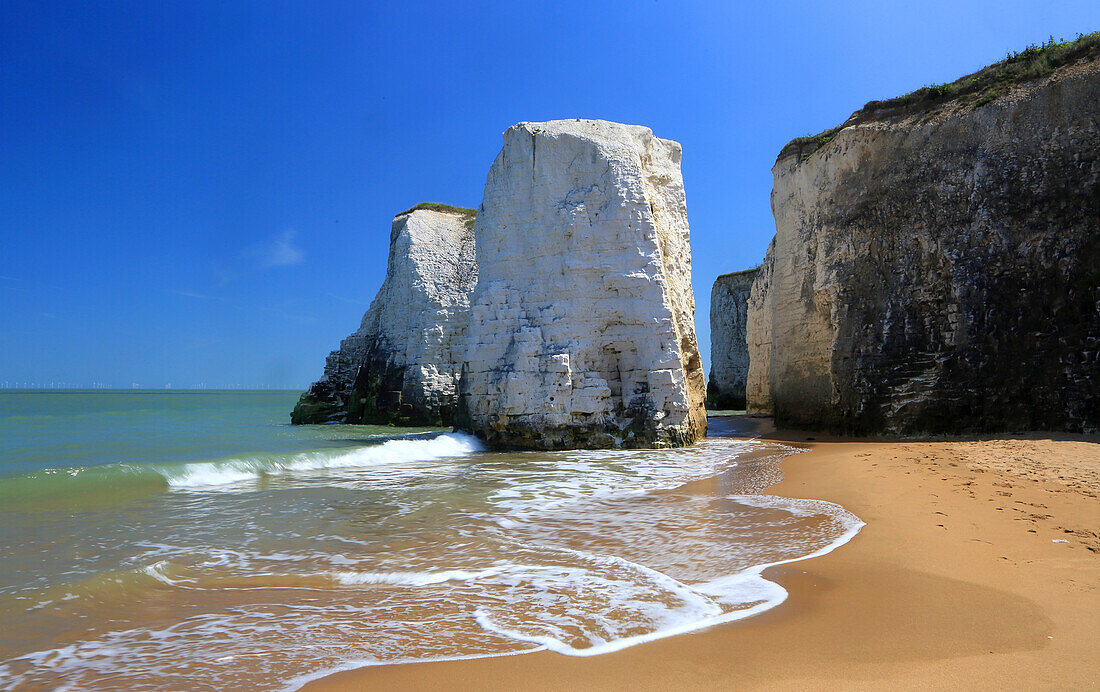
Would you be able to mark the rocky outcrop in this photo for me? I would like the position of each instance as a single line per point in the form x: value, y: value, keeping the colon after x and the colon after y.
x: 758, y: 338
x: 582, y: 321
x: 729, y: 350
x: 936, y: 270
x: 401, y: 366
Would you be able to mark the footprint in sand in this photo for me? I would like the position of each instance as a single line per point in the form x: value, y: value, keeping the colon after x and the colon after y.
x: 1031, y: 504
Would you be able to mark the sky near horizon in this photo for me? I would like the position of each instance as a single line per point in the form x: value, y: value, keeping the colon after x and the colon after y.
x: 201, y: 193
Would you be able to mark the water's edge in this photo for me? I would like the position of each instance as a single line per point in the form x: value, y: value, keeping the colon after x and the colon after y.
x: 163, y: 541
x: 750, y: 577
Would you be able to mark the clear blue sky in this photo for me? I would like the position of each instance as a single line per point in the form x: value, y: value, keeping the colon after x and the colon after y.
x: 201, y: 192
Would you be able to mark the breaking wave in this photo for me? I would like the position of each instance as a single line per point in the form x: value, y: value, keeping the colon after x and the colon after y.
x: 129, y: 479
x: 437, y: 553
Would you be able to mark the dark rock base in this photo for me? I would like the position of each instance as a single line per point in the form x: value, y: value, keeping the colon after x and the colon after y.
x: 378, y: 396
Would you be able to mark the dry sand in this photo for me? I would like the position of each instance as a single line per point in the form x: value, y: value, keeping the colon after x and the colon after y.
x: 979, y: 568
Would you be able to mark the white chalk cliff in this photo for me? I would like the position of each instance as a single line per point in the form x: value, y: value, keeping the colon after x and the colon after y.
x: 729, y: 351
x: 581, y: 328
x: 401, y: 365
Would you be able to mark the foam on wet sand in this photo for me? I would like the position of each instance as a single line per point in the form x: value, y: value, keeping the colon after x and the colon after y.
x: 960, y: 579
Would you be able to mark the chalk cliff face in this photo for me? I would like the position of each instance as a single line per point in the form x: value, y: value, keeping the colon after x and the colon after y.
x: 939, y: 272
x: 582, y: 321
x: 758, y: 340
x: 729, y: 351
x: 401, y: 366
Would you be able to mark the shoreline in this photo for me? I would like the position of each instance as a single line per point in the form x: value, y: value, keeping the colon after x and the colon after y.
x: 978, y: 567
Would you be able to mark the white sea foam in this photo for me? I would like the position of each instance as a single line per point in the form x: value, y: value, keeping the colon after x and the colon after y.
x: 157, y: 571
x: 213, y: 474
x: 746, y: 588
x: 412, y: 578
x: 799, y: 507
x: 582, y: 553
x: 560, y: 478
x: 303, y: 680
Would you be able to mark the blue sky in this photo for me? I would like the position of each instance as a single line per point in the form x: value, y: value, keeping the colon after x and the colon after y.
x: 202, y: 192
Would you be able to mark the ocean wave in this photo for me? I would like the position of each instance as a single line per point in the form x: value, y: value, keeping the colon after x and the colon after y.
x: 582, y: 553
x: 54, y: 488
x: 221, y: 473
x: 112, y: 482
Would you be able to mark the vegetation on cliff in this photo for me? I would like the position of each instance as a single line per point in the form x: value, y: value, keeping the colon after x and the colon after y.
x: 969, y: 92
x: 742, y: 272
x: 470, y: 214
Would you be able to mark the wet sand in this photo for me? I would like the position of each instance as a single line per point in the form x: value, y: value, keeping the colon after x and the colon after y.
x: 979, y: 568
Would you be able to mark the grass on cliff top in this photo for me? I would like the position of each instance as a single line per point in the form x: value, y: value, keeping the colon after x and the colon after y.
x: 974, y: 90
x: 740, y: 272
x: 470, y: 214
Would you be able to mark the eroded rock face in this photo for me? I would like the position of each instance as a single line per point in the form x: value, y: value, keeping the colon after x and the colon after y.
x: 401, y: 366
x: 758, y: 339
x: 729, y: 350
x: 940, y: 272
x: 582, y: 321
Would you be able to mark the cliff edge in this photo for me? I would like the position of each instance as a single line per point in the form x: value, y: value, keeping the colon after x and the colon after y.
x: 936, y: 266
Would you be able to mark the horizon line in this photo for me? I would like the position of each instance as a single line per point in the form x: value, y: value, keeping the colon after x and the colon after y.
x: 92, y: 388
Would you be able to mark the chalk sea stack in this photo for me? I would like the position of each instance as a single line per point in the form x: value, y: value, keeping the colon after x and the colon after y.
x: 581, y: 328
x: 401, y: 365
x: 729, y: 350
x: 936, y: 266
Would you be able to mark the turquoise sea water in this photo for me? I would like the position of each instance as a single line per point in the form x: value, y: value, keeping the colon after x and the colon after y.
x: 60, y: 443
x: 58, y: 428
x: 169, y: 540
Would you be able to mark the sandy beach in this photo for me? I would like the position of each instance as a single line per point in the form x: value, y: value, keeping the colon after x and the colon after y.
x: 979, y: 568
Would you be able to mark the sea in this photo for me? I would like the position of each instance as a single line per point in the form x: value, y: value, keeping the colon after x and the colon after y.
x: 195, y: 540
